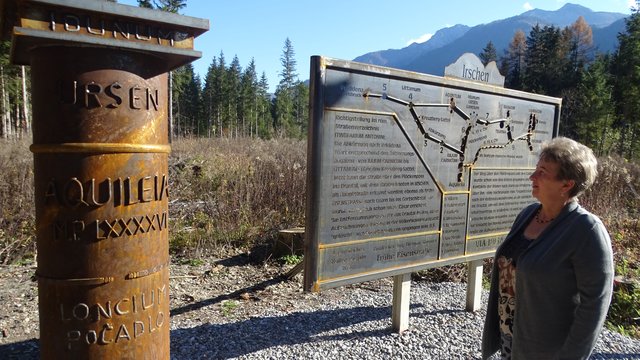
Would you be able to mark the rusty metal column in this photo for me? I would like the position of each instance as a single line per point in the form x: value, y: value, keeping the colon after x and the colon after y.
x: 100, y: 145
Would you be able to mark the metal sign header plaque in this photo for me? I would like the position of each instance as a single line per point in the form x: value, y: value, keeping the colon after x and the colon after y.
x: 409, y: 171
x: 33, y: 23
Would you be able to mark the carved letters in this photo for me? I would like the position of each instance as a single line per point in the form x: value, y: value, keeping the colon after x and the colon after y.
x: 91, y: 194
x: 93, y: 95
x: 124, y: 319
x: 85, y: 24
x: 74, y: 193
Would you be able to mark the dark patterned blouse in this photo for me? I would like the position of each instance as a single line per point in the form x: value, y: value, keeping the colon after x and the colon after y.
x: 507, y: 263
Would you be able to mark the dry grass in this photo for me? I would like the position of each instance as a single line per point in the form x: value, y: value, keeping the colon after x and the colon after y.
x: 615, y: 199
x: 234, y: 192
x: 17, y: 215
x: 238, y: 193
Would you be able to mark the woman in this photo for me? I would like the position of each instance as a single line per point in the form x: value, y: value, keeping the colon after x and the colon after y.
x: 553, y: 275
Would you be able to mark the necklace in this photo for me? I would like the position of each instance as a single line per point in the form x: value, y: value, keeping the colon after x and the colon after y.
x: 541, y: 221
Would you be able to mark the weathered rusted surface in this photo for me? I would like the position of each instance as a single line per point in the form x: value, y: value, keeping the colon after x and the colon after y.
x: 100, y: 148
x: 100, y: 145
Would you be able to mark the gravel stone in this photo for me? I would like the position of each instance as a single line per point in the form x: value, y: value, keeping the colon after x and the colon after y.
x: 228, y: 307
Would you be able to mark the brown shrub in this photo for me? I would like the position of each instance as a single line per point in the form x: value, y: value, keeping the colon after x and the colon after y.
x: 17, y: 208
x: 234, y: 192
x: 239, y: 192
x: 615, y: 199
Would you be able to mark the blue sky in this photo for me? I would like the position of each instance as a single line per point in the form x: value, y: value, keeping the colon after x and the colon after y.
x: 342, y: 29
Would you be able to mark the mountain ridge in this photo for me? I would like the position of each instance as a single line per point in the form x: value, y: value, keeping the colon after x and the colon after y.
x: 449, y: 43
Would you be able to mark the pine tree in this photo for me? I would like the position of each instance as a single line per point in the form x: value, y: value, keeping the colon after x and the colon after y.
x: 265, y: 119
x: 288, y: 76
x: 172, y: 6
x: 145, y: 4
x: 513, y: 63
x: 284, y: 121
x: 544, y: 63
x: 301, y: 108
x: 627, y: 88
x: 188, y: 101
x: 233, y: 81
x: 208, y: 99
x: 488, y: 54
x: 222, y: 96
x: 593, y: 119
x: 248, y: 104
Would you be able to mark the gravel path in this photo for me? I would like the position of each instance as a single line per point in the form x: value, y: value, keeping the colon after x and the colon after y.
x: 229, y: 308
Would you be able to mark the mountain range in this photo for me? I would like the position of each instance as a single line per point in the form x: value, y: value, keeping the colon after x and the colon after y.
x: 448, y: 44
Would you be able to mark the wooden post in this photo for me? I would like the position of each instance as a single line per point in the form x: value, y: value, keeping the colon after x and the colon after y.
x: 474, y: 285
x: 401, y: 301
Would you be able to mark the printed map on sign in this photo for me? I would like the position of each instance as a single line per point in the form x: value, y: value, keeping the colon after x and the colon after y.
x: 409, y: 171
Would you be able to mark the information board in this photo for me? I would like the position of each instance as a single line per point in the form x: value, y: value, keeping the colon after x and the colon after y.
x: 408, y: 171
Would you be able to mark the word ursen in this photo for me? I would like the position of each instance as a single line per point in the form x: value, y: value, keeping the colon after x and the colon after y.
x: 95, y: 95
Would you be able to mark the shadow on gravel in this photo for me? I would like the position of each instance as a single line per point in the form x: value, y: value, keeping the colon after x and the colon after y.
x: 27, y: 350
x: 237, y: 339
x: 242, y: 338
x: 233, y: 295
x: 231, y: 340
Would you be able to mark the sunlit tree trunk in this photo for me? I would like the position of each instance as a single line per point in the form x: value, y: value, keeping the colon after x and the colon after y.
x: 25, y: 107
x: 6, y: 126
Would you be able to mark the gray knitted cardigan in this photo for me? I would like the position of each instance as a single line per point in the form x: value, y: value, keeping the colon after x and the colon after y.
x: 564, y: 283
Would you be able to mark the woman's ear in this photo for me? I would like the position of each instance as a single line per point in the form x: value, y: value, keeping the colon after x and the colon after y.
x: 568, y: 185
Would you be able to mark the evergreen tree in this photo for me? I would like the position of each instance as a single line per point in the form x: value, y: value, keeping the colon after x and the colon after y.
x: 288, y: 76
x: 284, y: 117
x: 172, y: 6
x: 513, y: 63
x: 544, y: 61
x: 301, y: 109
x: 233, y: 82
x: 187, y: 99
x: 488, y: 54
x: 248, y: 104
x: 222, y: 96
x: 208, y: 99
x: 593, y: 117
x: 265, y: 119
x: 627, y: 87
x: 145, y: 4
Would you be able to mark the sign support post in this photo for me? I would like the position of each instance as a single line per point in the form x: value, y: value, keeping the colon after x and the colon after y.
x: 401, y: 302
x: 474, y: 285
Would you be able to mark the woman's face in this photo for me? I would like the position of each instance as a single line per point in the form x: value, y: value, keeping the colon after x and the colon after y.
x: 545, y: 185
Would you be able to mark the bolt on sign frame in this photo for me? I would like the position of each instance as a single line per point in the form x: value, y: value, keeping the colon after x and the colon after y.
x: 408, y: 171
x: 100, y: 145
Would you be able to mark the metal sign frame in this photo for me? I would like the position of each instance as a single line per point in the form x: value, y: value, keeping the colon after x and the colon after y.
x: 409, y: 171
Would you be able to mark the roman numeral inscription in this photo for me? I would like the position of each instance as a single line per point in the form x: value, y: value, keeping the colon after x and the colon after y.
x: 76, y: 195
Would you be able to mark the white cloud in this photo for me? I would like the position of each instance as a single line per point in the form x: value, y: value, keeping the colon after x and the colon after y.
x: 420, y: 39
x: 631, y: 4
x: 527, y: 6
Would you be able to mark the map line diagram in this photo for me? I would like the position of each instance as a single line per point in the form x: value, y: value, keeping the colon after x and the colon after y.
x: 453, y: 108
